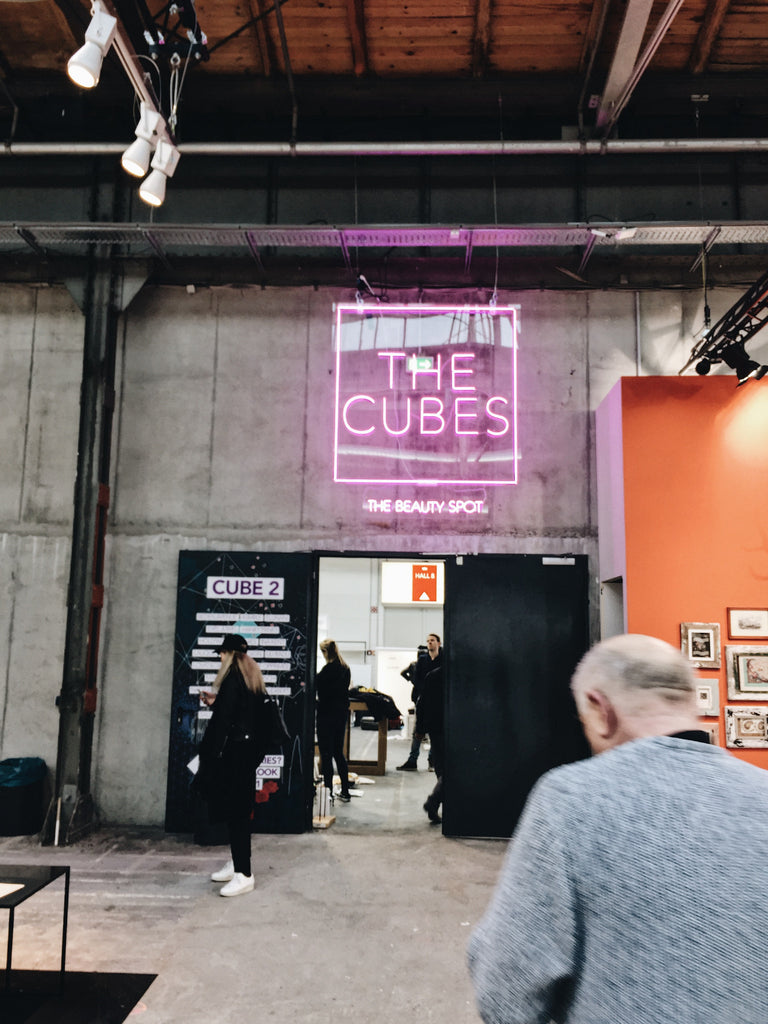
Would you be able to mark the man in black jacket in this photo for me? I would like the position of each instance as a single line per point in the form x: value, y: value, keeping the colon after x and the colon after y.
x: 425, y: 663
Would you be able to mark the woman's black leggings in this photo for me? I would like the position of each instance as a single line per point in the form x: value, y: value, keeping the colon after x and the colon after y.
x: 330, y: 741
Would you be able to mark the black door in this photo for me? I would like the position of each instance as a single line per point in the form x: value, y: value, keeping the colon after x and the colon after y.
x: 515, y: 627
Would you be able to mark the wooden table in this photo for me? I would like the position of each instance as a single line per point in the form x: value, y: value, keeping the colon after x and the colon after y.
x: 28, y: 879
x: 379, y: 766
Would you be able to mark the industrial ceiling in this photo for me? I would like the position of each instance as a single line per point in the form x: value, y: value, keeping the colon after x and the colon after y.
x: 577, y: 143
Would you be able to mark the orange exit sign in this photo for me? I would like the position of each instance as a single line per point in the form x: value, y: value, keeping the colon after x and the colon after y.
x: 424, y: 583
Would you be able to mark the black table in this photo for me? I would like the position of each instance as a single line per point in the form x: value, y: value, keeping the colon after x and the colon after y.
x: 30, y: 879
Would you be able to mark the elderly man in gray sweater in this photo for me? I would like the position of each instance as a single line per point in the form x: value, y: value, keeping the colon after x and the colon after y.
x: 632, y: 891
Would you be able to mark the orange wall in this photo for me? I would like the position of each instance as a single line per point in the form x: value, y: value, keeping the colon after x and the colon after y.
x: 696, y: 507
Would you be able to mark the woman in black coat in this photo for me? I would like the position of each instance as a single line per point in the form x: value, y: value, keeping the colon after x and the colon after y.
x: 231, y: 749
x: 332, y: 689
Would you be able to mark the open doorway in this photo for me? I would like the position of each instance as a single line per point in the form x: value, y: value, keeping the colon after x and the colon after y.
x: 380, y: 610
x: 513, y: 629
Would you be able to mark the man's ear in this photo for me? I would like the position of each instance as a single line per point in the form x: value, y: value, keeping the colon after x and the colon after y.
x: 604, y: 717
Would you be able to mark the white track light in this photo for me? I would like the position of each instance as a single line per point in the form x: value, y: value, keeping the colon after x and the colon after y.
x: 135, y: 159
x: 152, y: 189
x: 84, y: 67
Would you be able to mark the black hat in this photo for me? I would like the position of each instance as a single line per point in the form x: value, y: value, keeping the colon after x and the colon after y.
x: 233, y: 642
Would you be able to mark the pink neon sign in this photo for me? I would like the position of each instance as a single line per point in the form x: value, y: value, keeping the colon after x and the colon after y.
x: 426, y: 395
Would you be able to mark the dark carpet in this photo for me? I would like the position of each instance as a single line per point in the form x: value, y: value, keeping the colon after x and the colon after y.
x: 85, y: 998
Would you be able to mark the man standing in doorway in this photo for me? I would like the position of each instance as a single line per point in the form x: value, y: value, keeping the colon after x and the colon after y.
x: 425, y: 664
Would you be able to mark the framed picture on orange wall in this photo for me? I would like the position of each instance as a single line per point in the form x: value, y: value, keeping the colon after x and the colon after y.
x: 747, y: 672
x: 708, y: 697
x: 700, y: 643
x: 748, y: 623
x: 746, y: 727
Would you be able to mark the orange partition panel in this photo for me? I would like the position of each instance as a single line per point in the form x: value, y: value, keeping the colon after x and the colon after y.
x: 696, y: 507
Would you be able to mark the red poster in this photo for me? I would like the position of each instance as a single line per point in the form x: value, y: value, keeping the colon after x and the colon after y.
x: 424, y: 582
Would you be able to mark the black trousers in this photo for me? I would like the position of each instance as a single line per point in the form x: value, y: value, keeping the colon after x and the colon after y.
x: 237, y: 772
x: 331, y: 728
x: 240, y: 842
x: 437, y: 741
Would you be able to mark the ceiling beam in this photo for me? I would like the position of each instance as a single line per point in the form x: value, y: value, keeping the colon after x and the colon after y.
x: 263, y: 42
x: 481, y: 38
x: 624, y: 56
x: 594, y: 34
x: 708, y: 33
x: 618, y: 101
x: 356, y: 22
x: 590, y: 49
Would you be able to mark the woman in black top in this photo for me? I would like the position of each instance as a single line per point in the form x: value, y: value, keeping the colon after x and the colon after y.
x: 231, y: 749
x: 332, y: 686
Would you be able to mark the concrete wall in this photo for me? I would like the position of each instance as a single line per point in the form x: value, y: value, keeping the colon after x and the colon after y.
x: 41, y: 346
x: 222, y: 440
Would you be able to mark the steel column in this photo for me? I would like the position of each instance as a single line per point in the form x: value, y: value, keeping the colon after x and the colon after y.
x: 72, y: 812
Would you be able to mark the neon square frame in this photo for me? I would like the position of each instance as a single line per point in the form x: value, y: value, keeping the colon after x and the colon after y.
x: 387, y: 360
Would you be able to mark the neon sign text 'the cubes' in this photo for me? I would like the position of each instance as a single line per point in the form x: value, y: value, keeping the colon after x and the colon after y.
x: 426, y: 395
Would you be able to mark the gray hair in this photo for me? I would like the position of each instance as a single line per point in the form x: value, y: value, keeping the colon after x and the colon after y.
x: 638, y: 666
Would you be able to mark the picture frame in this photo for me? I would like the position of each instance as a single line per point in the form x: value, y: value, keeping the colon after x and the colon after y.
x: 746, y: 727
x: 746, y: 670
x: 747, y: 623
x: 708, y: 698
x: 700, y: 643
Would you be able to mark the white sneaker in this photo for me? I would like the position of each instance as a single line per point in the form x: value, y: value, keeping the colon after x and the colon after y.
x: 225, y: 874
x: 238, y: 885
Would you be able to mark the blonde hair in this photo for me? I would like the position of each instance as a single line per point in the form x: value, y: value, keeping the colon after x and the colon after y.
x: 249, y: 670
x: 331, y: 651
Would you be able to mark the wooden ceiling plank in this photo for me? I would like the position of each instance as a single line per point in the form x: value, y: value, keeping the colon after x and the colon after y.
x: 423, y: 30
x: 356, y: 22
x: 710, y: 30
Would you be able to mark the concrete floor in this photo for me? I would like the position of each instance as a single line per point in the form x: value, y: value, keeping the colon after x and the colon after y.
x: 366, y: 921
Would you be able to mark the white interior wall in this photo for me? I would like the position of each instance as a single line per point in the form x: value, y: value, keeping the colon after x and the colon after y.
x: 346, y: 595
x: 351, y: 612
x: 222, y: 440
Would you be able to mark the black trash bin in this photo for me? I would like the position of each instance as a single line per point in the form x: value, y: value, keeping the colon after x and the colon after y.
x: 21, y: 795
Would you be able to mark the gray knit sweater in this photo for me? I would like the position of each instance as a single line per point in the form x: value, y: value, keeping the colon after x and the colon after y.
x: 633, y: 892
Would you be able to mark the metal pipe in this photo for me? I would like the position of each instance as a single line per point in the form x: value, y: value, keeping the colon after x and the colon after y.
x: 554, y: 147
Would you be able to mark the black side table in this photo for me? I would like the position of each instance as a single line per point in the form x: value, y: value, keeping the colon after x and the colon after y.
x: 26, y: 880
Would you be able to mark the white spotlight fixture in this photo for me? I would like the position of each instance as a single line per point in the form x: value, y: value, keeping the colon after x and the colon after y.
x: 135, y: 159
x: 84, y: 67
x: 152, y: 189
